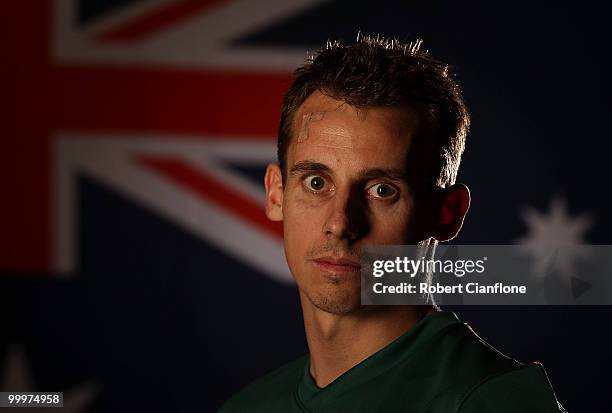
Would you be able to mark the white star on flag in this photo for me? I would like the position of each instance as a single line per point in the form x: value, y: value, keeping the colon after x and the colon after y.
x: 554, y: 239
x: 16, y: 378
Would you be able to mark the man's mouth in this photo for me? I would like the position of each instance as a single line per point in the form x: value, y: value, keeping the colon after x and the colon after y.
x: 337, y: 264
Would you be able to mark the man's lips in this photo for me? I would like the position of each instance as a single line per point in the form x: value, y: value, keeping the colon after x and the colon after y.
x: 337, y: 264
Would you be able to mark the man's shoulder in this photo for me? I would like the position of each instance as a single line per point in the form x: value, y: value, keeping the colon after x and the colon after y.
x: 524, y: 388
x: 465, y: 351
x: 482, y: 376
x: 274, y: 387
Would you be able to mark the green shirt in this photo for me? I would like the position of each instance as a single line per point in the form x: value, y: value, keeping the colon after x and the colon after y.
x: 439, y: 365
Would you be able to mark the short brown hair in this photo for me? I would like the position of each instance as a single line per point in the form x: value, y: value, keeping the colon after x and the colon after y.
x: 377, y: 72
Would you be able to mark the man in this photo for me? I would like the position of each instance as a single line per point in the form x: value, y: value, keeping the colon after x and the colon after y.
x: 370, y: 141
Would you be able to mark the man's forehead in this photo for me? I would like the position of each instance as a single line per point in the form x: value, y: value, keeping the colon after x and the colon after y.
x: 325, y: 121
x: 321, y: 107
x: 323, y: 117
x: 338, y: 135
x: 320, y: 102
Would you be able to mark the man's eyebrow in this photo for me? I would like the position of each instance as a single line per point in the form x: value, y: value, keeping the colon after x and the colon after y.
x: 394, y: 174
x: 309, y: 166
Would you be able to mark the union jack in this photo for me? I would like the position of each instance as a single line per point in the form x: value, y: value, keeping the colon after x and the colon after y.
x: 153, y: 100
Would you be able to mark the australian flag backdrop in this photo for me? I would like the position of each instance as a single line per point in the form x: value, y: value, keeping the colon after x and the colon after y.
x: 138, y: 271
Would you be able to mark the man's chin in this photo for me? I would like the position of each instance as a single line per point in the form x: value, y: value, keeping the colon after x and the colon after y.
x: 330, y: 292
x: 338, y: 302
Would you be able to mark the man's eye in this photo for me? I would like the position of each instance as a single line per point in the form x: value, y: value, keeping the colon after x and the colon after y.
x: 382, y: 191
x: 314, y: 183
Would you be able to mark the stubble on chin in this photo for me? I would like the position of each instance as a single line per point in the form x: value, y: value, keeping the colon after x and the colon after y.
x: 334, y: 294
x: 341, y: 302
x: 331, y: 293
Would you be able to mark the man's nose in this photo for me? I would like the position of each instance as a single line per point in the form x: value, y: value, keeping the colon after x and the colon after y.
x: 343, y: 219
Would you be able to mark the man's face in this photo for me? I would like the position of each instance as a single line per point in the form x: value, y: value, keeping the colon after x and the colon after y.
x: 347, y: 185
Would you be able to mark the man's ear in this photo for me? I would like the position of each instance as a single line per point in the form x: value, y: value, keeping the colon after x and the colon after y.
x: 274, y: 192
x: 454, y: 203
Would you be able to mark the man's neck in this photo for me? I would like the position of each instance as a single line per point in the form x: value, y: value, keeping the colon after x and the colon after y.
x: 338, y: 342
